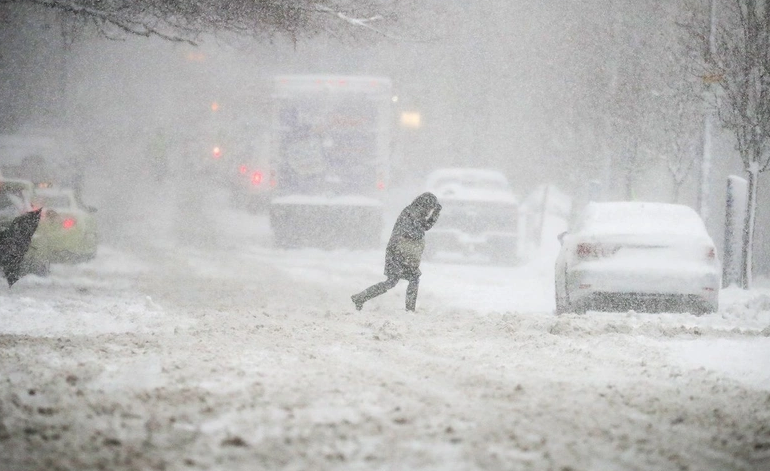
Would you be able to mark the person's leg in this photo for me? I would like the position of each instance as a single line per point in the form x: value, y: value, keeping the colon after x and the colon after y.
x: 372, y: 292
x: 411, y: 293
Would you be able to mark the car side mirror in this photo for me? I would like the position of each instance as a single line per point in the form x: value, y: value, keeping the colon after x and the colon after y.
x: 561, y: 237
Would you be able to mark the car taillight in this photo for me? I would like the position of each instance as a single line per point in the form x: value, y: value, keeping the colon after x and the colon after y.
x: 587, y: 250
x: 243, y: 169
x: 591, y: 250
x: 217, y: 152
x: 256, y: 178
x: 711, y: 253
x: 68, y: 223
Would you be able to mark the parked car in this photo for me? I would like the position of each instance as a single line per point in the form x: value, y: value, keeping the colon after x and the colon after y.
x: 68, y: 230
x: 479, y: 215
x: 643, y: 256
x: 15, y: 200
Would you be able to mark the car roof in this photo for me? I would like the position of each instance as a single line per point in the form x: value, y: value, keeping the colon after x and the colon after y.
x: 54, y: 191
x: 468, y: 173
x: 26, y: 184
x: 462, y: 184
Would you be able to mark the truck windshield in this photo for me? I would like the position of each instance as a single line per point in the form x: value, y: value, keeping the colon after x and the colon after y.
x: 328, y: 144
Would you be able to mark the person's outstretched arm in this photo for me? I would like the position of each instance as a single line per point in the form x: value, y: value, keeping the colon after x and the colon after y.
x: 432, y: 218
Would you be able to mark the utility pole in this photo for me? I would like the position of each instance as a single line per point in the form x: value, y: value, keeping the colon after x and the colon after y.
x: 705, y: 168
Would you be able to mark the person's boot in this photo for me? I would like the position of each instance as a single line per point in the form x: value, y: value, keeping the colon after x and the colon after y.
x: 357, y: 301
x: 372, y: 292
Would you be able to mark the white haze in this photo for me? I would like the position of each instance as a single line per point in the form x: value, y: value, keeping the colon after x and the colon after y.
x: 191, y: 341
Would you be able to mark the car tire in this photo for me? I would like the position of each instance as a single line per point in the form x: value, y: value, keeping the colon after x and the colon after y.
x: 561, y: 307
x: 578, y: 308
x: 41, y: 268
x: 284, y: 240
x: 704, y: 309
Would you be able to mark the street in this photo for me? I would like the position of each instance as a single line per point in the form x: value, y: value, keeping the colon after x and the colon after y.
x: 240, y: 356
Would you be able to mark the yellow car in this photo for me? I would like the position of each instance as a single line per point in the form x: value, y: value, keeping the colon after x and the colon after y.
x: 67, y: 232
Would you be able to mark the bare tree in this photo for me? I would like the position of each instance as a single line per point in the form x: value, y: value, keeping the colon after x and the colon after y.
x: 679, y: 149
x: 186, y: 21
x: 632, y: 117
x: 679, y: 128
x: 740, y: 64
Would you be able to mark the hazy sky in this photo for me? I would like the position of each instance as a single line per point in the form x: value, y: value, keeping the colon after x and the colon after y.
x: 516, y: 85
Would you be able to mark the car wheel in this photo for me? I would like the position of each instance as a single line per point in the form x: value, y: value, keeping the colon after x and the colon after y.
x: 702, y: 309
x: 577, y: 308
x: 283, y: 240
x: 42, y: 268
x: 561, y: 308
x: 256, y: 204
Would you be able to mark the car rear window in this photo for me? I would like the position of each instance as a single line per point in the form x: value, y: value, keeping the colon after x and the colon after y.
x: 642, y: 218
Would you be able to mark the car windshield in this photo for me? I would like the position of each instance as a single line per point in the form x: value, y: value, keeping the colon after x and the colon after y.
x: 477, y: 216
x: 472, y: 183
x: 54, y: 201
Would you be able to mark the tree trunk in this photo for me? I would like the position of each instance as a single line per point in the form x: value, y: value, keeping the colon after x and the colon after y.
x: 748, y: 228
x: 677, y: 191
x: 629, y: 186
x: 705, y: 165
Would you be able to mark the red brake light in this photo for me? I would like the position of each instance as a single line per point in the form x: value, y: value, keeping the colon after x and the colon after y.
x: 68, y: 223
x: 380, y: 185
x: 588, y: 250
x: 217, y: 152
x: 256, y: 178
x: 243, y: 169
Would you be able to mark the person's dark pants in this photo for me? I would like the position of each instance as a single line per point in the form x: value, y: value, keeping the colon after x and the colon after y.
x: 383, y: 286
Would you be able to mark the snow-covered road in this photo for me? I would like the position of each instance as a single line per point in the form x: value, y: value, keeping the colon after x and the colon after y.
x: 240, y: 357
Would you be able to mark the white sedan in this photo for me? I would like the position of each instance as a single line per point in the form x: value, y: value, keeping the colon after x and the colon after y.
x: 642, y: 256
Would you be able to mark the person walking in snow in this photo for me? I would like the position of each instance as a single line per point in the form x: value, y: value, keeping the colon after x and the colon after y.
x: 404, y: 251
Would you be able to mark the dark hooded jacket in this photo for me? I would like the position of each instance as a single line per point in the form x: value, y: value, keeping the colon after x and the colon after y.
x: 406, y: 244
x: 14, y: 244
